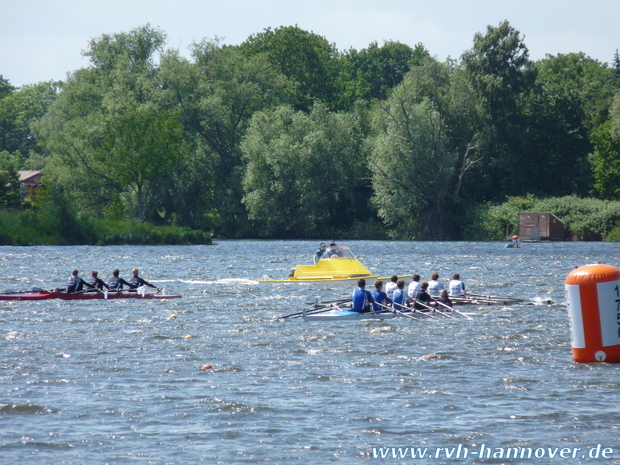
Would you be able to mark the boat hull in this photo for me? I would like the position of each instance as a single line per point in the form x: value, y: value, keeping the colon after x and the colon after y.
x: 332, y: 280
x: 24, y: 296
x: 87, y: 296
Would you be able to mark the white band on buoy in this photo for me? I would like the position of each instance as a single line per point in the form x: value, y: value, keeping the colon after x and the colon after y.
x: 575, y: 320
x: 593, y: 299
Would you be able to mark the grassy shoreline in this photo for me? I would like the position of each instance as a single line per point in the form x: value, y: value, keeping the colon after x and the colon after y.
x: 32, y: 227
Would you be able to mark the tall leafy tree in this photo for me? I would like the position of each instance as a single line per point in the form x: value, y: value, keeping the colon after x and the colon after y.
x: 10, y: 195
x: 108, y: 133
x: 605, y: 160
x: 500, y: 72
x: 307, y: 59
x: 413, y: 160
x: 571, y: 97
x: 303, y: 171
x: 19, y: 110
x: 371, y: 73
x: 606, y: 163
x: 216, y: 94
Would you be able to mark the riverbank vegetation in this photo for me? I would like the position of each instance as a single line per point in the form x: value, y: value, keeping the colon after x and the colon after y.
x: 284, y: 136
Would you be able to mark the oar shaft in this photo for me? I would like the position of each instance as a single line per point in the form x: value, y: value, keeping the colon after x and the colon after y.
x: 339, y: 301
x: 321, y: 309
x: 501, y: 299
x: 396, y: 311
x: 460, y: 313
x: 422, y: 313
x: 442, y: 313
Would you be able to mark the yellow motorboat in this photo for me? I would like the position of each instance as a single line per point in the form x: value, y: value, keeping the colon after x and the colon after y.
x: 336, y: 265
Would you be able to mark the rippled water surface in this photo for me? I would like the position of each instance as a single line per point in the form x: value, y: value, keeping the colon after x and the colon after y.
x: 121, y: 381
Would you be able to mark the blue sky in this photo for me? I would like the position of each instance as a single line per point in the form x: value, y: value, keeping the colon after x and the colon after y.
x: 42, y: 40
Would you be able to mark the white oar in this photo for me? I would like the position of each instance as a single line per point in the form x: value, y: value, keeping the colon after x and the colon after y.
x: 396, y: 311
x: 494, y: 298
x: 435, y: 310
x: 415, y: 310
x: 322, y: 309
x: 425, y: 306
x: 452, y: 309
x: 339, y: 301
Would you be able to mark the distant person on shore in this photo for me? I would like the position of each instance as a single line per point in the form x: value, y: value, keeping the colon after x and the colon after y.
x: 96, y: 282
x: 116, y: 283
x: 136, y: 281
x: 76, y: 284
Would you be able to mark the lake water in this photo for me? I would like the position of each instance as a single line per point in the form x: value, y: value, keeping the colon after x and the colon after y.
x: 120, y: 381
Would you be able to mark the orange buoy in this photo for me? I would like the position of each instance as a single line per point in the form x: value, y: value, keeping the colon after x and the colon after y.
x: 207, y: 367
x: 593, y: 298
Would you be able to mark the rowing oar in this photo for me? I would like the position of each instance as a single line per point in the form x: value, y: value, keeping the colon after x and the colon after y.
x: 415, y: 310
x: 499, y: 299
x: 482, y: 300
x: 452, y: 309
x: 438, y: 311
x: 311, y: 312
x: 339, y: 301
x: 314, y: 310
x: 391, y: 309
x: 426, y: 306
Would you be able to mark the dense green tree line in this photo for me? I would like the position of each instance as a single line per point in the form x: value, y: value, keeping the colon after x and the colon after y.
x: 285, y: 136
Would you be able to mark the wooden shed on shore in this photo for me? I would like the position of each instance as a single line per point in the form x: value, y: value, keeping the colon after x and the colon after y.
x: 541, y: 227
x: 29, y: 183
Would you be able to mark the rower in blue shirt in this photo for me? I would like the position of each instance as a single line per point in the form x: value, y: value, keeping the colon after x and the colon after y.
x: 399, y: 296
x: 361, y: 297
x: 379, y: 296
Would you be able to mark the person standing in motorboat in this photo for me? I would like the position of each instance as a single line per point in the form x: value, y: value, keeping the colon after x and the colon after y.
x: 319, y: 253
x: 334, y: 251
